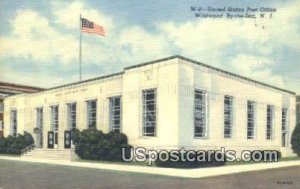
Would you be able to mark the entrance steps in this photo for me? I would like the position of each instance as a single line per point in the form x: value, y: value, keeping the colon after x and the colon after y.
x: 51, y: 154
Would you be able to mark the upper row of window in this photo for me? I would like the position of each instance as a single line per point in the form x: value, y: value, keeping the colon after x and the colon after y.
x: 149, y: 116
x: 114, y: 116
x: 115, y: 108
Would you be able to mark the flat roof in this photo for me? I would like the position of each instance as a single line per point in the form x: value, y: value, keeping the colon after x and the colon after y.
x: 9, y: 89
x: 210, y: 67
x: 170, y: 58
x: 87, y: 80
x: 14, y: 86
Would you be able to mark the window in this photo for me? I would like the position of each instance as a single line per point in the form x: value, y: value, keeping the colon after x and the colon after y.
x: 39, y: 125
x: 14, y: 123
x: 71, y: 116
x: 149, y: 112
x: 284, y: 130
x: 115, y: 113
x: 250, y: 119
x: 54, y: 118
x: 228, y: 116
x: 270, y: 120
x: 200, y: 128
x: 91, y: 113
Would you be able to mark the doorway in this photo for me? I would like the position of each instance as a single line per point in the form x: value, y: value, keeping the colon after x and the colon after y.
x: 55, y: 139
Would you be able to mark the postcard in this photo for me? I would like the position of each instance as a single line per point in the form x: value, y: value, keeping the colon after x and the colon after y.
x: 149, y: 94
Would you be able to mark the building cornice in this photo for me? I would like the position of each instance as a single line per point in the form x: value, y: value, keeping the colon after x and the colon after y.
x: 211, y: 68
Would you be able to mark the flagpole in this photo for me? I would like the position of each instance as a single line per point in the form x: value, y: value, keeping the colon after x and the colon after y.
x: 80, y: 58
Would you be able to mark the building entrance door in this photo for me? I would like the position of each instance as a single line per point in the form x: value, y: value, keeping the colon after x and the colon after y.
x: 68, y: 139
x: 54, y: 125
x: 55, y: 139
x: 50, y: 139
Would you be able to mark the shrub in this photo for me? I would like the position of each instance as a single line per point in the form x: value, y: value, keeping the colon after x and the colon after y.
x: 86, y: 143
x: 191, y: 164
x: 265, y: 154
x: 93, y: 144
x: 295, y: 141
x: 2, y: 145
x: 115, y: 143
x: 14, y: 145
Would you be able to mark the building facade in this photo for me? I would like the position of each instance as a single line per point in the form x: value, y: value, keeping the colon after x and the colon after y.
x: 164, y: 104
x: 7, y: 89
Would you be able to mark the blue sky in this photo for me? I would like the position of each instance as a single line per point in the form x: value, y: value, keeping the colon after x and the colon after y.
x: 39, y: 39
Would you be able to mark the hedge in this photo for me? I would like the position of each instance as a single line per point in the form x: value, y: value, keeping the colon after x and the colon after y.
x: 191, y: 164
x: 92, y: 144
x: 295, y: 141
x: 255, y: 155
x: 213, y: 163
x: 14, y: 145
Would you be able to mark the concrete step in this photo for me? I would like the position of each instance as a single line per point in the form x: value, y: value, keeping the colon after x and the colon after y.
x: 47, y: 156
x: 41, y: 152
x: 54, y: 154
x: 37, y: 153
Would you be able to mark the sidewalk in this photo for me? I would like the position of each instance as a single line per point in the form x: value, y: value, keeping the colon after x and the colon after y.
x: 185, y: 173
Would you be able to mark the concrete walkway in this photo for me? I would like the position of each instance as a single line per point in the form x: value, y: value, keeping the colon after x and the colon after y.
x: 186, y: 173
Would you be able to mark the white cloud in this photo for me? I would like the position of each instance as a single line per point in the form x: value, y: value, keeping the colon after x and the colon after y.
x: 243, y: 63
x: 38, y: 79
x: 34, y: 38
x: 257, y: 68
x: 236, y: 45
x: 246, y: 46
x: 123, y: 43
x: 67, y: 14
x: 141, y: 45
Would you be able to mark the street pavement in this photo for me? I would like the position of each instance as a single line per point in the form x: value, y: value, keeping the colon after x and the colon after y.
x: 27, y: 175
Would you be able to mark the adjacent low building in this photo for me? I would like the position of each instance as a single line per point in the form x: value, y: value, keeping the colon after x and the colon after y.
x: 163, y: 104
x: 8, y: 89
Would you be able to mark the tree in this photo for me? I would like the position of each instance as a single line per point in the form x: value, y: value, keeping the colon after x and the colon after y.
x: 296, y: 140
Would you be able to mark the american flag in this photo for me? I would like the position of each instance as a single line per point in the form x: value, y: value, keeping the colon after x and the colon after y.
x: 90, y: 27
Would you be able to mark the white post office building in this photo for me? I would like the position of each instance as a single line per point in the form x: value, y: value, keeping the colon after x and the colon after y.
x: 163, y: 104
